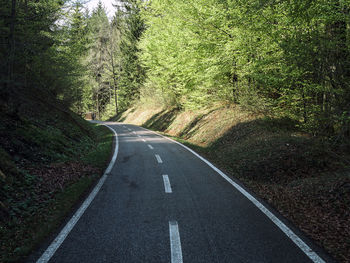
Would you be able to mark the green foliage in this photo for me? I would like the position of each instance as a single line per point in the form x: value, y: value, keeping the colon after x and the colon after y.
x: 41, y: 48
x: 101, y: 153
x: 285, y: 58
x: 99, y: 34
x: 115, y: 72
x: 6, y: 164
x: 36, y: 198
x: 131, y: 72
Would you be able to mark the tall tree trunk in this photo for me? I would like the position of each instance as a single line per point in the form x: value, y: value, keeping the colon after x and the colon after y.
x: 97, y: 106
x: 25, y: 48
x: 11, y: 45
x: 304, y: 106
x: 115, y: 85
x: 338, y: 54
x: 116, y: 96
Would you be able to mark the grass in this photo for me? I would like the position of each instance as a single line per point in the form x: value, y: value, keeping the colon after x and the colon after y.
x: 305, y: 178
x: 47, y: 168
x: 102, y: 151
x: 46, y: 220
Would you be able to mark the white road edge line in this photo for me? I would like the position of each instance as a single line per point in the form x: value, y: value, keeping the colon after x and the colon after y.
x: 286, y: 230
x: 150, y: 146
x: 50, y: 251
x: 175, y: 243
x: 167, y: 185
x: 158, y: 158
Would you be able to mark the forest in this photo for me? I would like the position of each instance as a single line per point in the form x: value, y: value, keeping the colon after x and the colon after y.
x: 280, y: 58
x: 278, y: 69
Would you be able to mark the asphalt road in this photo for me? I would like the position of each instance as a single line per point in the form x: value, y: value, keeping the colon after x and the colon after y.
x: 161, y: 203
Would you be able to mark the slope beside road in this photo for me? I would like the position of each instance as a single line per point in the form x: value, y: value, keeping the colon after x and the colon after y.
x: 162, y: 203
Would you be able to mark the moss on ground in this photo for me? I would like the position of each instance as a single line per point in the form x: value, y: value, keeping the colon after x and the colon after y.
x: 49, y: 159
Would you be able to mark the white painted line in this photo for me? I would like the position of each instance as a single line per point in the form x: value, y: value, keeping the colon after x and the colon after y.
x: 134, y: 132
x: 150, y: 146
x: 167, y: 185
x: 158, y: 158
x: 144, y: 140
x: 50, y: 251
x: 175, y: 243
x: 139, y: 136
x: 286, y: 230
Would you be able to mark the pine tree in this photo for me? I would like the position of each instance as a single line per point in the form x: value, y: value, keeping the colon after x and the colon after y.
x: 98, y: 58
x: 132, y: 73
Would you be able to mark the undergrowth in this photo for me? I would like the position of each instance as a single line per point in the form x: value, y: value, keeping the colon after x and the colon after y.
x: 49, y: 158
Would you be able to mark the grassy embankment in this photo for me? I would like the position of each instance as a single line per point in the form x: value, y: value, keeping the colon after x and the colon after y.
x: 49, y: 159
x: 305, y: 178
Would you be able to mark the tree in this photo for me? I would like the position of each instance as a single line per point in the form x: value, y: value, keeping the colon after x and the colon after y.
x: 98, y: 57
x: 286, y: 58
x: 44, y: 49
x: 132, y: 73
x: 76, y: 47
x: 115, y: 55
x: 28, y: 29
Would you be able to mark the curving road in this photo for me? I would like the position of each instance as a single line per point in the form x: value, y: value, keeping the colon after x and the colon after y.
x: 162, y: 203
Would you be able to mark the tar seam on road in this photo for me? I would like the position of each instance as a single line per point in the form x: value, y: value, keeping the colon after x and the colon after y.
x: 175, y: 243
x: 286, y: 230
x: 50, y: 251
x: 158, y: 158
x: 150, y: 146
x: 167, y: 185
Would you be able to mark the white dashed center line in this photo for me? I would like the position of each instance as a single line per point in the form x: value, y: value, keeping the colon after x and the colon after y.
x: 144, y: 140
x: 158, y: 158
x: 167, y: 185
x: 150, y: 146
x: 175, y: 243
